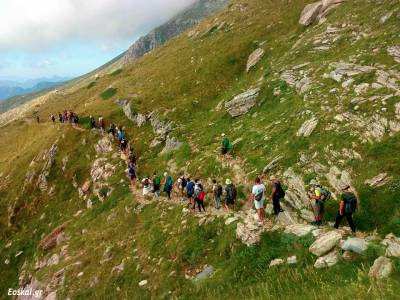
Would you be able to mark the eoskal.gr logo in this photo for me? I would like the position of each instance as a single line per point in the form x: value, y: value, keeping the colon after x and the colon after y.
x: 25, y: 292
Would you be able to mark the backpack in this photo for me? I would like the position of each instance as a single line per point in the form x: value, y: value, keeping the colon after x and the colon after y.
x: 259, y: 196
x: 219, y: 190
x: 350, y: 202
x: 132, y: 170
x: 201, y: 195
x: 279, y: 191
x: 183, y: 182
x: 157, y: 180
x: 231, y: 192
x: 325, y: 194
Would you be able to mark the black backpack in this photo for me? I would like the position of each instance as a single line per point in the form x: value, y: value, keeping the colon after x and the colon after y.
x: 325, y: 194
x: 350, y: 202
x: 231, y: 192
x: 219, y: 190
x: 184, y: 182
x: 279, y: 192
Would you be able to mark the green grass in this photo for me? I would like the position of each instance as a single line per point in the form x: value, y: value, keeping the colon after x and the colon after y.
x: 108, y: 93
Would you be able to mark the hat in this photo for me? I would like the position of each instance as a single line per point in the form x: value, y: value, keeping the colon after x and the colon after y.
x: 344, y: 185
x: 228, y: 181
x: 223, y: 134
x: 272, y: 177
x: 165, y: 174
x: 313, y: 182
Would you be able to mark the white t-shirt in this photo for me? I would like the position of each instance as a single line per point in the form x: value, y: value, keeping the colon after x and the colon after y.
x: 259, y: 188
x: 147, y: 189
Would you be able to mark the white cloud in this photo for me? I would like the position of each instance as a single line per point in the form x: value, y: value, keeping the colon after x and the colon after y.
x: 35, y: 24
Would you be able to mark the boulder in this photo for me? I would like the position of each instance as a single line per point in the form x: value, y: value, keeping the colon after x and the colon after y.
x: 378, y: 180
x: 230, y: 220
x: 393, y: 245
x: 310, y: 13
x: 298, y: 80
x: 254, y: 58
x: 86, y: 186
x: 357, y: 245
x: 291, y: 260
x: 207, y: 272
x: 53, y: 260
x: 272, y: 164
x: 381, y: 268
x: 395, y: 52
x: 101, y: 169
x: 48, y: 157
x: 242, y: 103
x: 295, y: 194
x: 327, y: 260
x: 308, y: 127
x: 299, y: 229
x: 143, y: 283
x: 325, y: 243
x: 276, y: 262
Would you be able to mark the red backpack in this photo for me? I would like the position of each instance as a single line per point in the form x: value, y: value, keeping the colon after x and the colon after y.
x: 201, y: 195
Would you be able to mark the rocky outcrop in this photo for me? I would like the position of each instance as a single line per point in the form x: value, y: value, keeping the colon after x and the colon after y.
x: 104, y: 145
x: 299, y: 229
x: 308, y: 127
x: 378, y: 180
x: 254, y: 58
x: 171, y: 144
x: 296, y: 193
x: 298, y: 80
x: 327, y: 260
x: 248, y: 231
x: 325, y: 243
x: 272, y: 164
x: 50, y: 240
x: 136, y: 118
x: 101, y: 169
x: 381, y: 268
x: 48, y: 157
x: 242, y: 103
x: 317, y: 11
x: 395, y: 52
x: 344, y: 70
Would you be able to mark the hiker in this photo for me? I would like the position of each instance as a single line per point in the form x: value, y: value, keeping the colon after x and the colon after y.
x: 53, y: 119
x: 277, y: 194
x: 226, y: 145
x: 231, y: 193
x: 132, y: 158
x: 147, y: 190
x: 123, y: 145
x: 168, y: 185
x: 258, y: 197
x: 217, y: 193
x: 112, y: 130
x: 347, y: 206
x: 92, y: 122
x: 182, y: 182
x: 132, y: 174
x: 37, y: 119
x: 102, y: 124
x: 320, y: 195
x: 120, y: 135
x: 198, y: 196
x: 75, y: 120
x: 190, y: 191
x: 60, y: 118
x: 156, y: 184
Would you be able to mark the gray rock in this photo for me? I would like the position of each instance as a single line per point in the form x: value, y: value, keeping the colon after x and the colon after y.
x: 317, y: 11
x: 276, y: 262
x: 242, y: 103
x: 101, y: 169
x: 207, y: 272
x: 325, y: 243
x: 48, y: 157
x: 354, y: 244
x: 299, y: 81
x: 381, y: 268
x: 104, y: 145
x: 138, y: 119
x: 53, y: 260
x: 171, y: 144
x: 395, y: 52
x: 299, y: 229
x: 254, y: 58
x: 291, y: 260
x: 378, y: 180
x: 272, y: 164
x: 327, y: 260
x: 393, y: 245
x: 308, y: 127
x: 295, y: 194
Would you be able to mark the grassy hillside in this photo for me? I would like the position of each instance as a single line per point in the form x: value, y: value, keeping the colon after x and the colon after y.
x: 184, y: 82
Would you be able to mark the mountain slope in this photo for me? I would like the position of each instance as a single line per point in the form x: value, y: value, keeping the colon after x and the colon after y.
x: 327, y: 106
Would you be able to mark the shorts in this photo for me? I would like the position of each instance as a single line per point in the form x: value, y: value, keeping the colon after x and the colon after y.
x: 319, y: 207
x: 132, y: 177
x: 224, y: 151
x: 259, y: 204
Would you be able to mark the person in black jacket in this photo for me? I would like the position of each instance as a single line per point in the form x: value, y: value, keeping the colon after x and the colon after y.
x: 277, y: 194
x: 347, y: 206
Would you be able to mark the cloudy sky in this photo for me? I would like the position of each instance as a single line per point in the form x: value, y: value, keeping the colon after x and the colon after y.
x: 43, y: 38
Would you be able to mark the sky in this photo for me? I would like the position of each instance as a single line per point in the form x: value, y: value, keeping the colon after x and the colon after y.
x: 67, y: 38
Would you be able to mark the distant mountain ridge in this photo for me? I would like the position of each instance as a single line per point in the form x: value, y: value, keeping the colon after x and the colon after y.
x: 183, y: 21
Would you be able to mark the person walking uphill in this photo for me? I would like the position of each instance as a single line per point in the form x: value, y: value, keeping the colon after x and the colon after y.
x: 168, y: 185
x: 217, y: 192
x: 226, y: 145
x: 258, y: 198
x: 92, y: 122
x: 319, y: 195
x: 199, y: 196
x: 231, y: 194
x: 190, y: 191
x: 277, y: 194
x: 347, y: 206
x: 156, y: 184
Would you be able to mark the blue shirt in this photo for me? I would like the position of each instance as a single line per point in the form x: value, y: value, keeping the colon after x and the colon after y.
x: 190, y: 187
